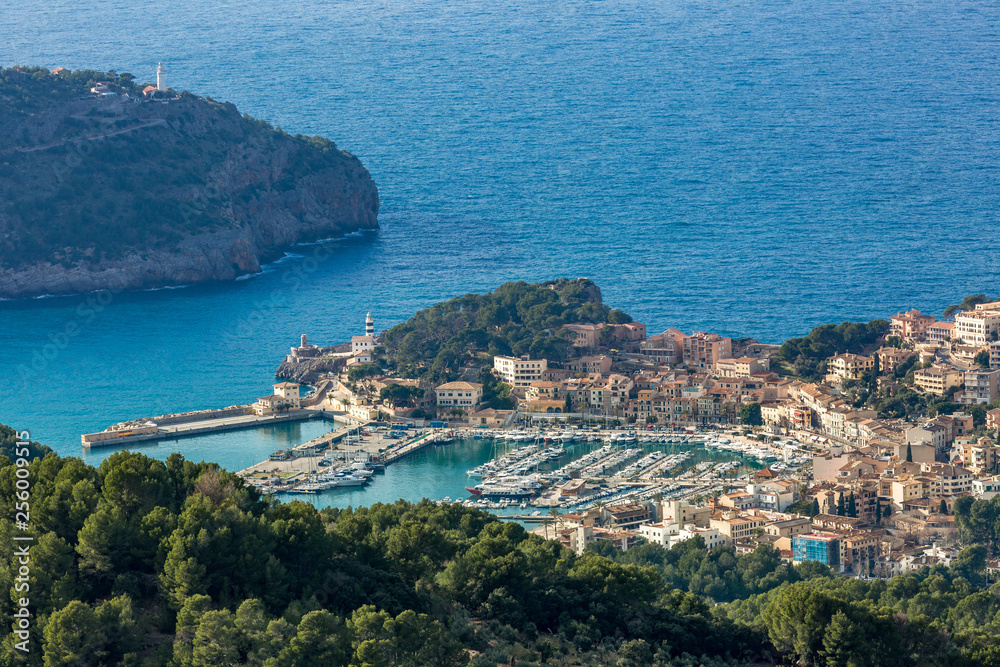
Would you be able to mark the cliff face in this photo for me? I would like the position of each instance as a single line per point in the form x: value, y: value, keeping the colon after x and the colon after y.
x: 126, y: 194
x: 309, y: 371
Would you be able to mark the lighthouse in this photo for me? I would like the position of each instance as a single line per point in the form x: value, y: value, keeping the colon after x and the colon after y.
x: 161, y: 78
x: 369, y: 325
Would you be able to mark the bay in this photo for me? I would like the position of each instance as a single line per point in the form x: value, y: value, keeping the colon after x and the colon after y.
x: 752, y: 169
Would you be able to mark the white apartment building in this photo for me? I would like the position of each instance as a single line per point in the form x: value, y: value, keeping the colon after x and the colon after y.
x: 520, y: 371
x: 659, y: 533
x: 986, y: 487
x: 713, y: 538
x: 979, y: 326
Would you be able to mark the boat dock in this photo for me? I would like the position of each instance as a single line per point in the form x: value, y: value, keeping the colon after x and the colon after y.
x: 192, y: 424
x: 298, y: 465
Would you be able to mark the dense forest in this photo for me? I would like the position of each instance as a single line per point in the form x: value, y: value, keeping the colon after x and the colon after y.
x: 147, y: 562
x: 516, y: 318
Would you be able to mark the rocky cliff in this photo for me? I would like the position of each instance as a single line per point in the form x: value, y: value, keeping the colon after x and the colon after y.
x: 125, y: 192
x: 309, y: 371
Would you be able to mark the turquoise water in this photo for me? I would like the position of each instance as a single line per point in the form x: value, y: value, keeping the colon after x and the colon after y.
x: 440, y: 472
x: 747, y: 168
x: 233, y: 450
x: 434, y: 472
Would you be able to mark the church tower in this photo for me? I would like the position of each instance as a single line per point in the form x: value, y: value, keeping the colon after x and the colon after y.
x: 161, y: 78
x: 369, y: 325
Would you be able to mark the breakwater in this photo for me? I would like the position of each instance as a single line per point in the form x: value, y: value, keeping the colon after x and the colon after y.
x: 184, y: 425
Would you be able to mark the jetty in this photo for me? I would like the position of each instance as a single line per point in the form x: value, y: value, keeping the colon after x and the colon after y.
x: 182, y: 425
x: 348, y: 448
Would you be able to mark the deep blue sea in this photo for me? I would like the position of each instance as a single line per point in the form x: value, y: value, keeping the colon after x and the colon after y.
x: 750, y: 168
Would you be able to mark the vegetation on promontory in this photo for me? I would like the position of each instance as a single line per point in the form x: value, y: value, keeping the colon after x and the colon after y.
x: 157, y: 563
x: 805, y: 356
x: 115, y: 190
x: 516, y: 318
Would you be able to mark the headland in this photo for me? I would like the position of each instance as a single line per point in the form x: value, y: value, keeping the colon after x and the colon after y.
x: 110, y: 184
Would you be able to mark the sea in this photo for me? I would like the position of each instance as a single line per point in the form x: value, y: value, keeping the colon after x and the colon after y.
x: 747, y: 168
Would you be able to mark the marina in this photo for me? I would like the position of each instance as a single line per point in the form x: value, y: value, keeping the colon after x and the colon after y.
x: 521, y: 473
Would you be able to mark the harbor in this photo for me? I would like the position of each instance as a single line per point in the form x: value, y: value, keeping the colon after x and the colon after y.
x: 521, y: 474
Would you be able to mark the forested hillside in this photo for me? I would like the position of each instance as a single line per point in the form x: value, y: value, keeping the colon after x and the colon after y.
x: 144, y: 562
x: 121, y: 191
x: 516, y: 318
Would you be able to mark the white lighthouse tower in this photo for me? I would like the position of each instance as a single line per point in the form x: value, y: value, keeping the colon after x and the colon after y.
x: 369, y: 325
x: 161, y: 78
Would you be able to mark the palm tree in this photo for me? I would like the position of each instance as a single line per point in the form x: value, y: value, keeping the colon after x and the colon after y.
x: 554, y: 513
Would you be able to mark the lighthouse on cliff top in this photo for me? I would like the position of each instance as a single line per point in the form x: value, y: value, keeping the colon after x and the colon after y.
x: 161, y: 78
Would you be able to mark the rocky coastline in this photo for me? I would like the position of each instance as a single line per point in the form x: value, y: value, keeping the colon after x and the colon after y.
x: 128, y: 194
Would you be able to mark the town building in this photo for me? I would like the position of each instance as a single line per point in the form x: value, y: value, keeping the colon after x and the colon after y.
x: 994, y: 354
x: 711, y: 536
x: 910, y: 325
x: 683, y: 513
x: 986, y: 487
x: 741, y: 367
x: 736, y: 526
x: 664, y: 348
x: 982, y: 386
x: 891, y: 357
x: 628, y: 515
x: 594, y: 365
x: 940, y: 332
x: 979, y: 326
x: 285, y: 397
x: 789, y: 527
x: 993, y: 419
x: 519, y: 371
x: 630, y: 332
x: 704, y: 350
x: 362, y: 347
x: 463, y: 395
x: 820, y: 547
x: 584, y: 335
x: 937, y: 379
x: 849, y: 366
x: 659, y: 533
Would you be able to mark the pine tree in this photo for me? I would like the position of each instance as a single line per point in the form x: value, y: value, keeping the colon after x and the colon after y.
x: 909, y: 453
x: 843, y: 642
x: 852, y: 507
x: 841, y: 506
